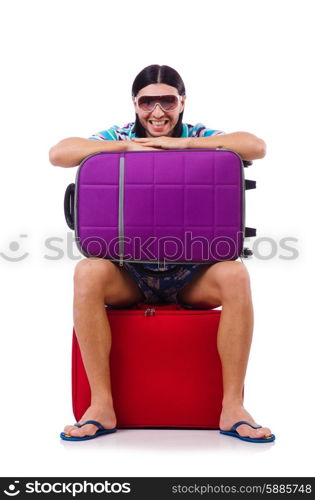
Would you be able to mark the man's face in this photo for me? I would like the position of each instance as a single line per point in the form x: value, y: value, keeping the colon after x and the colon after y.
x: 159, y: 122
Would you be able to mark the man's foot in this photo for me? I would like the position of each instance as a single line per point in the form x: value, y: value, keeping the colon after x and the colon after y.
x: 233, y: 413
x: 105, y: 415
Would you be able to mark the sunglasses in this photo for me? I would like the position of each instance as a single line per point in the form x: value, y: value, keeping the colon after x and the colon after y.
x: 166, y: 102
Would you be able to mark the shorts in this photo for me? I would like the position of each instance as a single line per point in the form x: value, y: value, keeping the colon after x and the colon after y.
x: 162, y: 287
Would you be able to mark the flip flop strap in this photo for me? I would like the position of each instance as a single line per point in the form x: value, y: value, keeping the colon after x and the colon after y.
x: 241, y: 422
x: 92, y: 422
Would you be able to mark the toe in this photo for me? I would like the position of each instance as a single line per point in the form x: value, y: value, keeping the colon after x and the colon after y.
x: 73, y: 430
x: 247, y: 431
x: 69, y: 428
x: 260, y: 433
x: 264, y: 432
x: 255, y: 433
x: 86, y: 430
x: 76, y: 432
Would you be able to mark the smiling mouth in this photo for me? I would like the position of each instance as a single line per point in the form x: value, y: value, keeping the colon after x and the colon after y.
x: 156, y: 123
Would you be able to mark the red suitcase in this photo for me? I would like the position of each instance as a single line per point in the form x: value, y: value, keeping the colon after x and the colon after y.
x: 165, y: 368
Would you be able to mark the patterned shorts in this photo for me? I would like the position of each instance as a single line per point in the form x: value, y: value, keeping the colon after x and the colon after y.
x: 162, y: 287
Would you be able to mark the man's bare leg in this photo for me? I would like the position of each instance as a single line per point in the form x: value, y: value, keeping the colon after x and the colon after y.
x: 98, y: 281
x: 228, y: 284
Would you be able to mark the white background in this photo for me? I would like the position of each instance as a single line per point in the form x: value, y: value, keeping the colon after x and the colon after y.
x: 67, y: 69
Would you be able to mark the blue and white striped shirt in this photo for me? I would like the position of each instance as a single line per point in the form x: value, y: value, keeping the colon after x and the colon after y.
x: 126, y: 132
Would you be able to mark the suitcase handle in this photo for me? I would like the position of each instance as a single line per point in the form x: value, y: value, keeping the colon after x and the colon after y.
x: 69, y: 205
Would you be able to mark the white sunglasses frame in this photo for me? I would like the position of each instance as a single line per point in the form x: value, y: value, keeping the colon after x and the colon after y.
x: 179, y: 101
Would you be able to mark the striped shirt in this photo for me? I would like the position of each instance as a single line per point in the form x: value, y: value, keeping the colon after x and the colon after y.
x: 126, y: 132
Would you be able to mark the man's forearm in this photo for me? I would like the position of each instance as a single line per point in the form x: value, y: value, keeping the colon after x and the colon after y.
x: 247, y: 145
x: 70, y: 152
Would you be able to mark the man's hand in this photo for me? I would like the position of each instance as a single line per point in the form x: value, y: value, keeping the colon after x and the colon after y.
x: 247, y: 145
x: 162, y: 142
x: 134, y: 146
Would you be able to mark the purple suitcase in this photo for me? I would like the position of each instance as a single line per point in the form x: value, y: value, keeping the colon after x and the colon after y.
x: 168, y: 206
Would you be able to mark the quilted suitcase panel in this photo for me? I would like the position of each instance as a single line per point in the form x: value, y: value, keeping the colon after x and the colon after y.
x: 185, y: 206
x: 165, y: 368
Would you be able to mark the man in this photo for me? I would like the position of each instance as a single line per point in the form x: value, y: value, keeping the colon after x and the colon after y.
x: 99, y: 281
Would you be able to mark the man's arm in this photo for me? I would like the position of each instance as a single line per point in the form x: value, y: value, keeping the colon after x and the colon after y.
x: 247, y: 145
x: 70, y: 152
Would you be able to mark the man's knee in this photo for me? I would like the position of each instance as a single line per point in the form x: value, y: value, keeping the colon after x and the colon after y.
x: 232, y: 278
x: 92, y: 274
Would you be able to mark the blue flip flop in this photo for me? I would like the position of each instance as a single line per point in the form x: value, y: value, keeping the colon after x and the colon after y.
x: 100, y: 432
x: 232, y: 432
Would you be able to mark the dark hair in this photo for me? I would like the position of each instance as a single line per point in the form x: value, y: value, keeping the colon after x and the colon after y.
x: 158, y: 74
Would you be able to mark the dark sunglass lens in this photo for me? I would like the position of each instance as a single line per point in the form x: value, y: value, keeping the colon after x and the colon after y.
x: 169, y: 101
x: 146, y: 102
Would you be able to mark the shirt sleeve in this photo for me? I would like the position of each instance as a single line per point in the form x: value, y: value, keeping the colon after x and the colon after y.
x: 105, y: 135
x: 200, y: 130
x: 208, y: 132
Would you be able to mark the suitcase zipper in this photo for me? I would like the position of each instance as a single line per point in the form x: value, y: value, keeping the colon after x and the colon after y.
x: 150, y: 311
